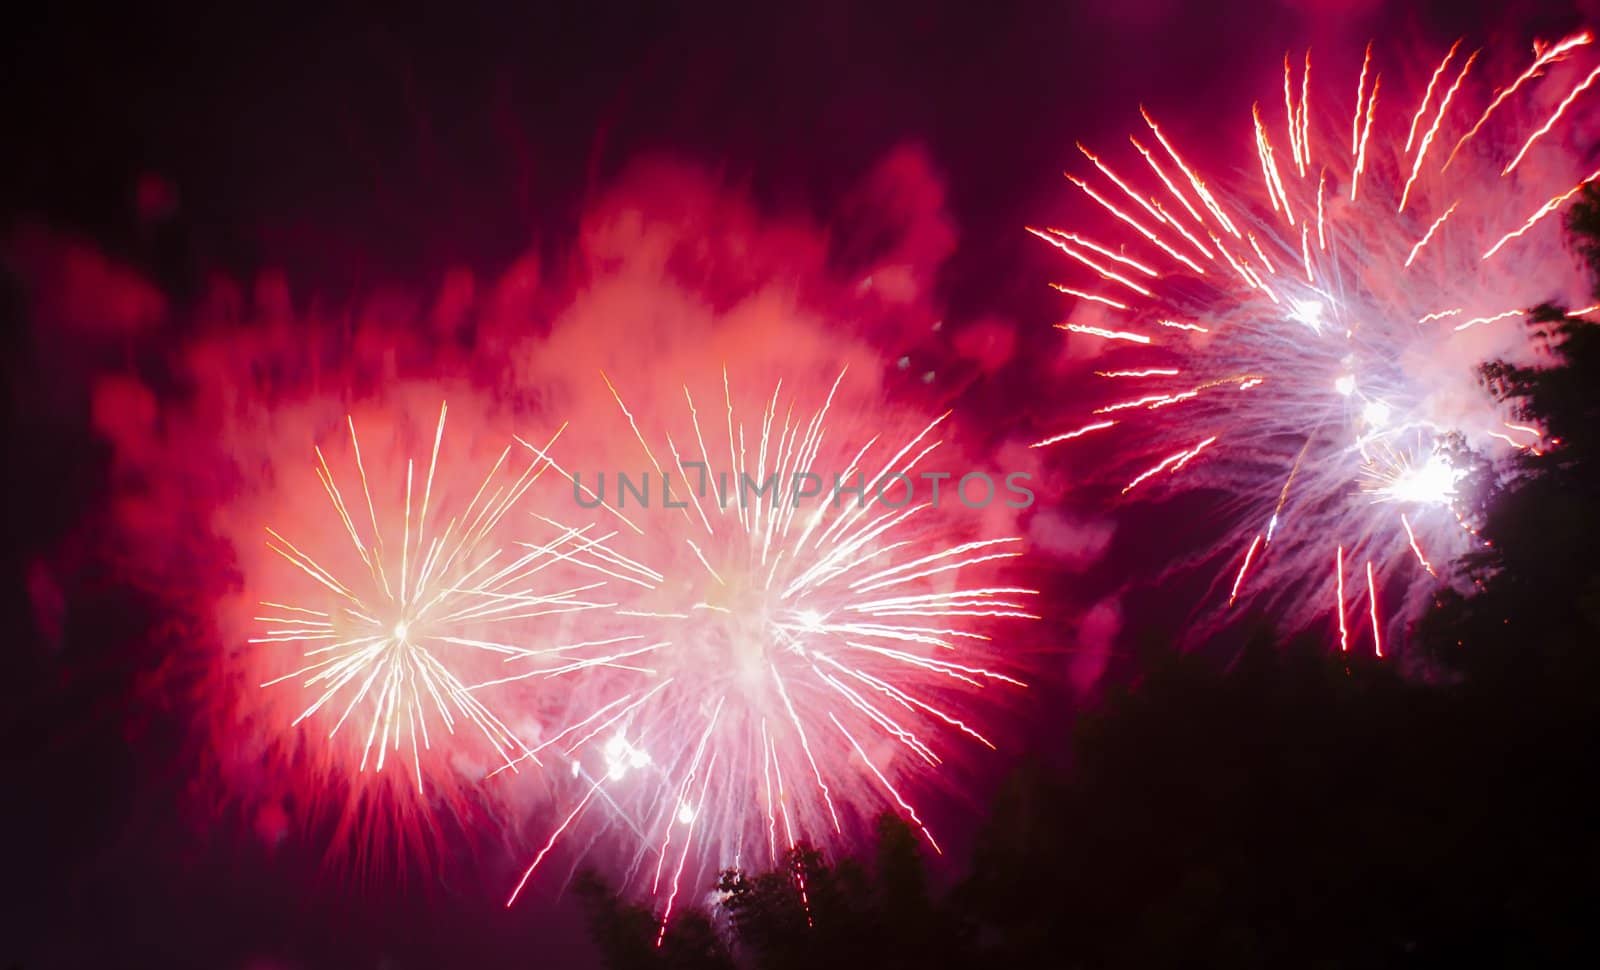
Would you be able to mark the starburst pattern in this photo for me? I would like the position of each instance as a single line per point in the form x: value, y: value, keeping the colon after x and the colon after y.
x: 399, y: 618
x: 824, y: 648
x: 1306, y: 349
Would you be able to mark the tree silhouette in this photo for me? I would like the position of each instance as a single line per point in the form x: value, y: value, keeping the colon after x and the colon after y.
x: 1538, y: 610
x: 808, y: 912
x: 812, y: 910
x: 628, y: 933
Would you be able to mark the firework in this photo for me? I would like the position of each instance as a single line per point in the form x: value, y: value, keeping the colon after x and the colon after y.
x: 822, y: 650
x: 402, y: 620
x: 1303, y: 341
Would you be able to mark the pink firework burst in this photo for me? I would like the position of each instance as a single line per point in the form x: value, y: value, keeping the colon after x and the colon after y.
x: 822, y: 651
x: 1303, y: 339
x: 386, y: 628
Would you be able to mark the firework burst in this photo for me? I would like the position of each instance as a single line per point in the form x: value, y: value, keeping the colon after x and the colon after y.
x: 401, y: 621
x: 822, y: 649
x: 1305, y: 344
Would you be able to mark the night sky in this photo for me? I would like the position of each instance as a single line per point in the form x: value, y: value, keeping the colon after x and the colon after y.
x: 348, y: 151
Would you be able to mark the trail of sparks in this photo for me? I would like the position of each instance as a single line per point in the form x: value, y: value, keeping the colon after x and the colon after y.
x: 1338, y: 572
x: 1094, y: 298
x: 1428, y: 236
x: 1143, y: 372
x: 1361, y: 89
x: 1542, y: 59
x: 1077, y: 433
x: 1561, y: 109
x: 1366, y: 135
x: 1427, y: 95
x: 1170, y: 463
x: 1372, y: 603
x: 1137, y: 338
x: 1494, y: 318
x: 1411, y: 537
x: 1065, y: 242
x: 1540, y: 213
x: 1427, y: 140
x: 1195, y: 182
x: 1239, y: 580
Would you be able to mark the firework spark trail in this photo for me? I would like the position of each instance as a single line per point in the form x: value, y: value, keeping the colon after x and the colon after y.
x: 1145, y: 372
x: 1427, y: 139
x: 1427, y: 237
x: 1583, y: 86
x: 1539, y: 214
x: 1137, y: 338
x: 824, y: 651
x: 1170, y: 463
x: 1078, y: 433
x: 1239, y: 580
x: 1411, y: 537
x: 396, y: 639
x: 1338, y: 572
x: 1095, y: 297
x: 1364, y: 340
x: 1543, y: 57
x: 1372, y: 604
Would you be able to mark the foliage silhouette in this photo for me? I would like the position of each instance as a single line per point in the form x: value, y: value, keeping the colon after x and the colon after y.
x: 808, y: 911
x: 628, y: 933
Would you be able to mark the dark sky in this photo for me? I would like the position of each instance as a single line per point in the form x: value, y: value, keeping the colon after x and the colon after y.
x: 347, y: 149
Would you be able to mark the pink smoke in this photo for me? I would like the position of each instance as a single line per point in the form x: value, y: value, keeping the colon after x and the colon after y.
x: 672, y: 277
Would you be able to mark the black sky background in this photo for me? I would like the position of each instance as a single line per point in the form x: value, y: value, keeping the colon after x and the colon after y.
x: 348, y: 150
